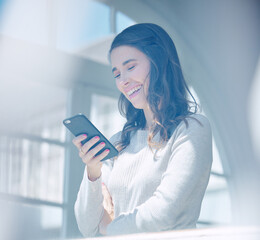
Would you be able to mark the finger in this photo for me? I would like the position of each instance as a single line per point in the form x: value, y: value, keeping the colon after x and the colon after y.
x: 102, y: 155
x: 107, y: 195
x: 84, y: 149
x: 90, y: 155
x: 108, y: 205
x: 105, y: 191
x: 77, y: 140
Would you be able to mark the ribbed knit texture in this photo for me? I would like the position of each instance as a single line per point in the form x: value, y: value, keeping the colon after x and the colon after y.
x: 151, y: 192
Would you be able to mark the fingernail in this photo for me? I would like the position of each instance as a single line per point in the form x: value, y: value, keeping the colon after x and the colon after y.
x: 107, y: 150
x: 96, y: 138
x: 85, y: 135
x: 102, y: 144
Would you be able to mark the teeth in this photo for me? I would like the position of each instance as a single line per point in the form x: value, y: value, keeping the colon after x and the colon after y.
x: 133, y: 90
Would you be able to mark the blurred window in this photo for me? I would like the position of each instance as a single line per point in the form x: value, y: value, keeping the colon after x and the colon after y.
x: 26, y: 20
x: 32, y: 150
x: 123, y: 21
x: 81, y: 23
x: 32, y: 169
x: 67, y: 25
x: 105, y: 115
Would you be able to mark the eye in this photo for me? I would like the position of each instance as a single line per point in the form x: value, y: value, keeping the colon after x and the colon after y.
x: 132, y: 67
x: 117, y: 76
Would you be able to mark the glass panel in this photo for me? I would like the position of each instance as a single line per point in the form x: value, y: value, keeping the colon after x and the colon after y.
x: 216, y: 207
x: 216, y: 164
x: 32, y: 108
x: 69, y: 23
x: 24, y: 221
x: 26, y: 20
x: 31, y: 169
x: 123, y: 21
x: 81, y: 22
x: 217, y: 183
x: 106, y: 116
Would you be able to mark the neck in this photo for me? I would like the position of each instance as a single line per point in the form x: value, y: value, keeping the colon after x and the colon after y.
x: 148, y: 117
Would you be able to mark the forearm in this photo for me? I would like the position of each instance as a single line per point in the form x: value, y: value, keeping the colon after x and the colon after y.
x: 88, y: 207
x: 160, y: 213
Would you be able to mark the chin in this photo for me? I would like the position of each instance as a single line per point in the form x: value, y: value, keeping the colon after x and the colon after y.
x: 137, y: 106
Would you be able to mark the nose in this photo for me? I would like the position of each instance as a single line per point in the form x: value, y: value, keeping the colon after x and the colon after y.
x: 124, y: 80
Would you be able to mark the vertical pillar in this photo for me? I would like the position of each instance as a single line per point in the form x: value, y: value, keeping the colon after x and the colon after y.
x: 79, y: 102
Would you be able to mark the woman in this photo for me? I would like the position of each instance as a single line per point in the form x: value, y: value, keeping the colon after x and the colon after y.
x: 158, y: 180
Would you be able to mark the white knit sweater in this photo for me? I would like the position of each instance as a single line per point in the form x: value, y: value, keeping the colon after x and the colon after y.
x: 151, y: 192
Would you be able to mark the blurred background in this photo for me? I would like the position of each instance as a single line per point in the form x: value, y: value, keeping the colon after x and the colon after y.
x: 53, y: 64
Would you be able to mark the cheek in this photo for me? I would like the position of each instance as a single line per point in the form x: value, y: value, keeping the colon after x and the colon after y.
x: 146, y: 74
x: 146, y: 86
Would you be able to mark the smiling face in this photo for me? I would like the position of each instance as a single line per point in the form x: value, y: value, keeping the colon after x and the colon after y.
x: 131, y: 69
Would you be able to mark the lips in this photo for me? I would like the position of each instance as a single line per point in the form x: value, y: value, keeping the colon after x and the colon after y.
x: 133, y: 90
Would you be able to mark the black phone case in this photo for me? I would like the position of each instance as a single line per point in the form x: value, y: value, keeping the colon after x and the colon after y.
x: 79, y: 124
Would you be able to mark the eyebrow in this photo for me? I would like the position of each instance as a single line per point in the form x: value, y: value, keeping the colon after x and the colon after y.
x: 124, y: 63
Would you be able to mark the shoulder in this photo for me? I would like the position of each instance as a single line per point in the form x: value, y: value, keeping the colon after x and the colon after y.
x: 193, y: 138
x: 195, y: 127
x: 194, y: 123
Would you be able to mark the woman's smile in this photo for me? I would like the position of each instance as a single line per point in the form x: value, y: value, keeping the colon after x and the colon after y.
x: 134, y: 91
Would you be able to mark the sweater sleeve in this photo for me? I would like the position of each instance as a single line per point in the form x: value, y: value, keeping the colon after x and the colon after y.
x: 177, y: 200
x: 88, y: 207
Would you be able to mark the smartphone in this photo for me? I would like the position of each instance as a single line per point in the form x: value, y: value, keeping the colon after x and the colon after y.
x: 79, y: 124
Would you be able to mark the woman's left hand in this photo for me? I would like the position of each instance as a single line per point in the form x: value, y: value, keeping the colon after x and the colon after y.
x: 107, y: 202
x: 109, y: 210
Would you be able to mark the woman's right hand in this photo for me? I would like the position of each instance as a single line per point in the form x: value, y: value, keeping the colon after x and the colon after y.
x: 93, y: 162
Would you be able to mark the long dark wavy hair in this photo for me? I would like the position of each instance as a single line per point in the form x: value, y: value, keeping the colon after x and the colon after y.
x: 167, y: 92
